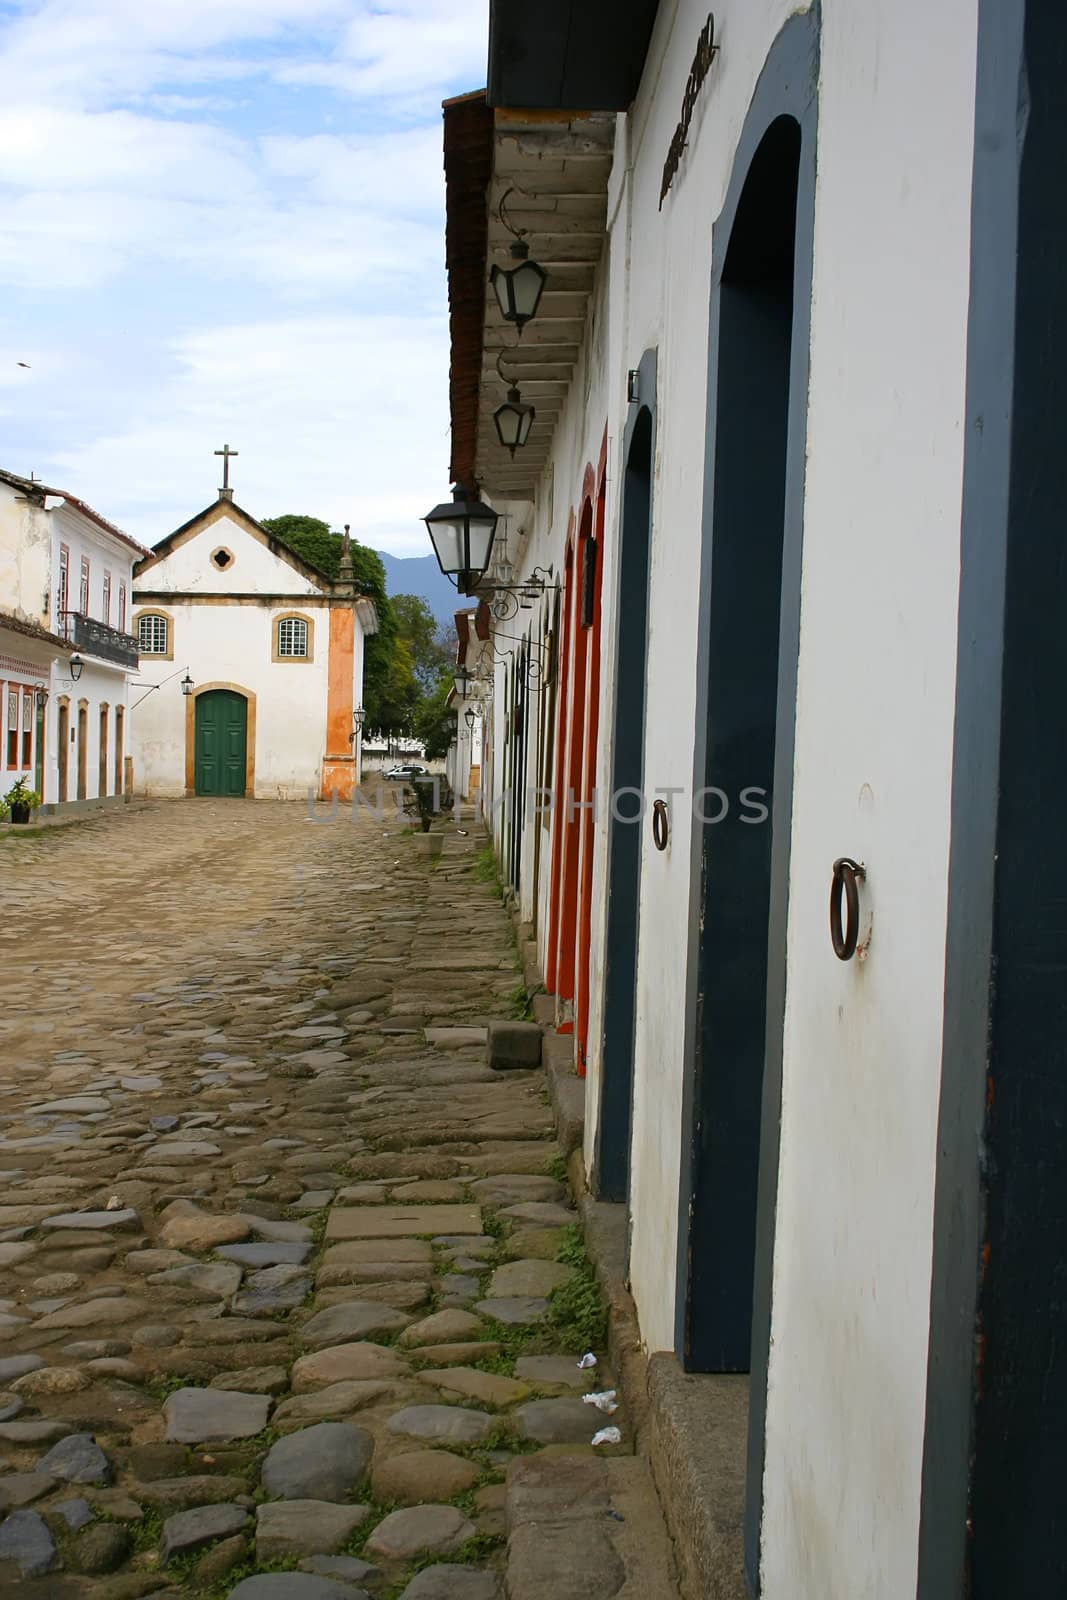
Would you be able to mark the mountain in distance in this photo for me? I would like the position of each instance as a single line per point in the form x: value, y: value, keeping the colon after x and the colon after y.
x: 422, y: 576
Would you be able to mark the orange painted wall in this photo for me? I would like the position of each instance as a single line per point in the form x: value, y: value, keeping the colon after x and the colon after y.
x: 339, y: 763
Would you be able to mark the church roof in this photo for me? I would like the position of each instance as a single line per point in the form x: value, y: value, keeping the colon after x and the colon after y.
x: 38, y: 491
x: 226, y: 506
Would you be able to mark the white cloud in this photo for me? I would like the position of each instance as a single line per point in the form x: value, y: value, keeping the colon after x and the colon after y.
x: 97, y: 50
x: 196, y: 247
x: 404, y: 50
x: 332, y: 416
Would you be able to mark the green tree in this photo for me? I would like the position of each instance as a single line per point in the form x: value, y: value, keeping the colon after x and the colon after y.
x: 316, y: 542
x: 431, y: 654
x: 435, y: 721
x: 310, y: 538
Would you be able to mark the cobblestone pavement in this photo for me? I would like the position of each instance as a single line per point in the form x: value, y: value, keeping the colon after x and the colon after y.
x: 288, y: 1277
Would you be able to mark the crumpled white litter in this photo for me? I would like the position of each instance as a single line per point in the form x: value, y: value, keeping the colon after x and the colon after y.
x: 608, y: 1436
x: 604, y: 1401
x: 587, y: 1361
x: 114, y: 1204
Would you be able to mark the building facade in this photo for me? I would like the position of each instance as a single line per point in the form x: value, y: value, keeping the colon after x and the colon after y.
x: 251, y: 665
x: 65, y: 586
x: 787, y: 521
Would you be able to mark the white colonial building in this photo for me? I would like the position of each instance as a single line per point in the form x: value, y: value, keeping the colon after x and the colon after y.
x: 251, y: 665
x: 791, y: 513
x: 66, y: 653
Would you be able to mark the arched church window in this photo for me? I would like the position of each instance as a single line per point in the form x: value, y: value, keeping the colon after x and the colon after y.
x: 153, y: 635
x: 292, y: 639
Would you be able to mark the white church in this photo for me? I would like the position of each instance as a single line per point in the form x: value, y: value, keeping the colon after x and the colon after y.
x: 250, y: 664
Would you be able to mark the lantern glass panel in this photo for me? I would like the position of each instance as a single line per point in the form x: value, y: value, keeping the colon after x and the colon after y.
x: 508, y: 419
x: 480, y: 543
x: 447, y: 539
x: 527, y: 282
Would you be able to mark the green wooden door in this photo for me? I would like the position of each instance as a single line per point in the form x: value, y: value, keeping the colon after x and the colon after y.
x: 221, y: 739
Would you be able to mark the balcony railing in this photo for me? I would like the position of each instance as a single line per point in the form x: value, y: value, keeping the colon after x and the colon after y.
x: 99, y: 639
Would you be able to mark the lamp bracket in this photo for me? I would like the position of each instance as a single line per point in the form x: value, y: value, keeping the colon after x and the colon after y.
x: 502, y: 212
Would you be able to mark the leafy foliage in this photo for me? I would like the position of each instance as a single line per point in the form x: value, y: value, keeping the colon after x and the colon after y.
x: 432, y: 648
x: 434, y: 722
x: 316, y: 542
x: 408, y: 662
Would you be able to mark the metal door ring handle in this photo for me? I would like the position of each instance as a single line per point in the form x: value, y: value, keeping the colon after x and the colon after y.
x: 660, y: 824
x: 848, y: 874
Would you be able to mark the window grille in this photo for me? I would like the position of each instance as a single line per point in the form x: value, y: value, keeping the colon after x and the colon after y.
x: 292, y: 637
x: 12, y: 727
x: 27, y: 727
x: 152, y: 636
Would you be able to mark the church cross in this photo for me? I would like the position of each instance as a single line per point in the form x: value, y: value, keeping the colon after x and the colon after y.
x: 226, y: 453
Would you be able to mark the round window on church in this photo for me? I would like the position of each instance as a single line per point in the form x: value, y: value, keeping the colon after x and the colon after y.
x: 222, y: 558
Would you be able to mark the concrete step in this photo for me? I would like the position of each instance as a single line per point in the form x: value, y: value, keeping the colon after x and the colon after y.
x: 586, y: 1528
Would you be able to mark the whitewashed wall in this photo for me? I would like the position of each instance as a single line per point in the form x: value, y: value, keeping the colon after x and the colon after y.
x: 232, y: 645
x: 101, y: 682
x: 98, y: 686
x: 885, y: 442
x: 881, y: 569
x: 254, y: 569
x: 24, y: 557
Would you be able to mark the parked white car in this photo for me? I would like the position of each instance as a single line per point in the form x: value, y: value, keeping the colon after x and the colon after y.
x: 404, y: 773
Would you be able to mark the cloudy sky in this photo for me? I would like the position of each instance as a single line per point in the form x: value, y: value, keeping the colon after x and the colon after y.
x: 223, y: 221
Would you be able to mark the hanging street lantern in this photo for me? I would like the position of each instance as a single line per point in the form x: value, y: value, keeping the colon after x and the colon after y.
x: 359, y: 716
x: 40, y: 696
x: 76, y: 665
x: 513, y: 419
x: 461, y: 531
x: 187, y: 684
x: 518, y: 289
x: 462, y: 682
x: 469, y: 718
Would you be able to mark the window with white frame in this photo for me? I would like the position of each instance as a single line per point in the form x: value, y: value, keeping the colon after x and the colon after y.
x: 11, y: 742
x: 293, y: 637
x: 63, y: 590
x: 107, y: 599
x: 83, y: 591
x: 122, y: 607
x: 152, y: 635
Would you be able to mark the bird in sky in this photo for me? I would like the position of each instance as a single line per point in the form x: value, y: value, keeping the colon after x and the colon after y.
x: 22, y: 363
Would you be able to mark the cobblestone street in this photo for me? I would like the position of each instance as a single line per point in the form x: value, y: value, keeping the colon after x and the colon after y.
x: 290, y: 1277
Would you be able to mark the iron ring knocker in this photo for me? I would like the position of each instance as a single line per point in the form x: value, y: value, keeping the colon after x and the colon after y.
x: 848, y: 874
x: 661, y: 830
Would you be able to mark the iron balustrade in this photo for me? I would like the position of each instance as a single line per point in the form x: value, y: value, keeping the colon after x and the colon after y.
x: 99, y: 639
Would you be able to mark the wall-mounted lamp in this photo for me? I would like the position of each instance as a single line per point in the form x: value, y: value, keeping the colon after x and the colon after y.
x: 76, y: 665
x: 518, y: 288
x: 462, y: 682
x: 469, y: 718
x: 359, y: 716
x: 187, y: 684
x: 40, y: 695
x: 513, y: 420
x: 461, y: 531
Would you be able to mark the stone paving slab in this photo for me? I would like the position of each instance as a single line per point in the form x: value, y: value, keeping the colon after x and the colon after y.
x: 249, y: 1296
x: 402, y: 1222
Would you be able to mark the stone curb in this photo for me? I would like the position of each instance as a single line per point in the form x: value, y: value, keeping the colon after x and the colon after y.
x: 673, y: 1414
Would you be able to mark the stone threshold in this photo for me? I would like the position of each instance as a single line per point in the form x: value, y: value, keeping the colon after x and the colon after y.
x: 690, y: 1429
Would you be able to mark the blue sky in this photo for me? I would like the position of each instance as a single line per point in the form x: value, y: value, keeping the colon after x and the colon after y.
x: 223, y: 220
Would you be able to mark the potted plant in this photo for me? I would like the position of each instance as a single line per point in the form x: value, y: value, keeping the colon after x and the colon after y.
x: 21, y: 801
x: 419, y: 803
